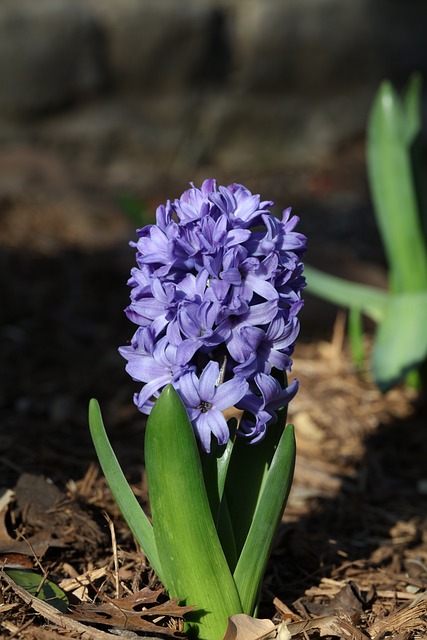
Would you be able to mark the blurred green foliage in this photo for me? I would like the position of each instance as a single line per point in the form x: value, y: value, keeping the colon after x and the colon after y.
x: 394, y: 163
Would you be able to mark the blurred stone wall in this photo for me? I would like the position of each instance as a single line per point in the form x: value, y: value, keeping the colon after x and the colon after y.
x: 142, y: 88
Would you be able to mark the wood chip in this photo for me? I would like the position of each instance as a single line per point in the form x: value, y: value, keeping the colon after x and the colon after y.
x: 70, y: 584
x: 411, y: 617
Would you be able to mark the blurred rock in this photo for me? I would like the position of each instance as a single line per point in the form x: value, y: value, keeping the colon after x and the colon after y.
x: 51, y: 52
x: 157, y: 45
x: 156, y: 88
x: 321, y: 48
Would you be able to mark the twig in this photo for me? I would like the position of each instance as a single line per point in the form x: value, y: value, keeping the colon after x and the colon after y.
x: 19, y: 630
x: 35, y: 556
x: 37, y: 561
x: 115, y: 553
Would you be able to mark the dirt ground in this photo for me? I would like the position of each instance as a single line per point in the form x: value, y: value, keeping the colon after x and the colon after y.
x: 351, y: 555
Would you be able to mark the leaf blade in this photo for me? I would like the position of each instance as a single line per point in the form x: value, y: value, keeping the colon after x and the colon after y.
x: 369, y: 300
x: 248, y: 573
x: 39, y: 587
x: 193, y: 561
x: 400, y: 343
x: 412, y: 108
x: 393, y: 190
x: 132, y: 511
x: 246, y: 475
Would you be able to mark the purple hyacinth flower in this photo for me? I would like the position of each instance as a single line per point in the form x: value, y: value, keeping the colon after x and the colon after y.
x: 218, y: 283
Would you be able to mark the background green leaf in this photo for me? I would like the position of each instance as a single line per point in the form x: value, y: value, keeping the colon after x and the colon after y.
x: 391, y: 130
x: 397, y: 186
x: 355, y: 335
x: 401, y: 340
x: 412, y: 106
x: 134, y: 209
x: 369, y: 300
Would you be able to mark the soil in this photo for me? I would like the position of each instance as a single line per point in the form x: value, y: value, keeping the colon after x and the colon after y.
x: 351, y: 554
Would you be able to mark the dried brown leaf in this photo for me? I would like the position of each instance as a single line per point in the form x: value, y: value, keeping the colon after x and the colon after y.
x: 36, y: 545
x: 348, y: 599
x: 132, y: 613
x: 15, y: 561
x: 332, y: 625
x: 244, y: 627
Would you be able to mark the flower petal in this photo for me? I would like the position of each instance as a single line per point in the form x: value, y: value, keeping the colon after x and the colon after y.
x: 229, y: 393
x: 208, y: 380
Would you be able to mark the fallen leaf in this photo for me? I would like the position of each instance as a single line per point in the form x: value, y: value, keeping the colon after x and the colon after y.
x: 132, y: 613
x: 6, y: 498
x: 244, y: 627
x: 15, y: 561
x: 37, y: 545
x: 332, y: 625
x: 348, y: 599
x: 283, y: 632
x: 40, y: 587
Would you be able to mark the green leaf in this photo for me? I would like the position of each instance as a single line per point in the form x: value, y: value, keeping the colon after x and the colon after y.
x: 246, y: 475
x: 193, y: 563
x: 214, y: 467
x: 225, y: 530
x: 413, y: 123
x: 133, y: 208
x: 259, y: 542
x: 401, y: 340
x: 40, y: 587
x: 132, y: 512
x: 393, y: 189
x: 369, y: 300
x: 355, y: 334
x: 412, y: 109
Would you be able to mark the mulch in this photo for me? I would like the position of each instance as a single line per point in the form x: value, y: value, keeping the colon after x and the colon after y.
x: 351, y: 554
